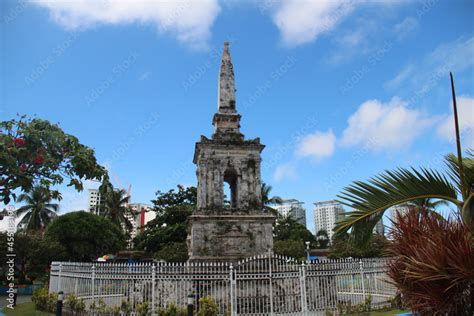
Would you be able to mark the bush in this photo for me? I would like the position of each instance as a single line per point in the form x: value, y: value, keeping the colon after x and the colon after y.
x: 207, y: 307
x: 75, y: 305
x: 44, y: 301
x: 433, y: 263
x: 143, y: 309
x: 85, y: 236
x: 172, y: 310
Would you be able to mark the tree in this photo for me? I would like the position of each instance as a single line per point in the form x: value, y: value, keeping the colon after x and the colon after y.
x: 116, y: 208
x: 343, y: 246
x: 287, y: 228
x: 290, y: 248
x: 33, y: 255
x: 36, y: 152
x: 369, y: 200
x: 168, y: 230
x: 85, y: 236
x: 290, y: 237
x: 267, y: 201
x: 38, y: 211
x: 323, y: 239
x: 427, y: 204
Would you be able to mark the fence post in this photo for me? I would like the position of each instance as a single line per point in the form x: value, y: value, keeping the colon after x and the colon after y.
x: 93, y: 284
x: 233, y: 298
x: 361, y: 268
x: 59, y: 277
x: 271, y: 282
x: 304, y: 305
x: 153, y: 279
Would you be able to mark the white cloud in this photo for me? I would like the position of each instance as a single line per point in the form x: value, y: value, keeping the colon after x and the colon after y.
x: 388, y: 126
x: 425, y: 74
x: 190, y: 21
x: 317, y: 145
x: 302, y: 21
x: 466, y: 122
x: 406, y: 26
x: 283, y: 171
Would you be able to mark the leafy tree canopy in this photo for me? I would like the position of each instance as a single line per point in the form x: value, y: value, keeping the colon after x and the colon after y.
x: 287, y: 228
x: 39, y: 152
x: 344, y: 246
x: 169, y: 228
x: 85, y: 236
x: 290, y: 248
x: 33, y: 255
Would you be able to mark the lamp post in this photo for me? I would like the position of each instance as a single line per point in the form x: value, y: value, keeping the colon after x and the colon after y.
x: 307, y: 250
x: 190, y: 304
x: 59, y: 304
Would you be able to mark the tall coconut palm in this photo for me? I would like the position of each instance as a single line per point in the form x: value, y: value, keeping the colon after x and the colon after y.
x: 116, y: 208
x: 427, y: 204
x: 267, y: 201
x: 369, y: 200
x: 38, y: 210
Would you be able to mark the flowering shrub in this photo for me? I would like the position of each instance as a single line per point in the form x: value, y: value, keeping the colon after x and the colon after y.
x: 433, y: 265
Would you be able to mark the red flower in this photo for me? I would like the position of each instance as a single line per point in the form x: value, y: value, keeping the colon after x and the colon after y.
x: 23, y: 167
x: 19, y: 142
x: 38, y: 160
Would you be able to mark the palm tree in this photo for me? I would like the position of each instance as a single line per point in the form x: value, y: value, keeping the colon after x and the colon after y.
x: 371, y: 199
x: 38, y: 210
x: 427, y: 204
x: 116, y: 208
x: 267, y: 200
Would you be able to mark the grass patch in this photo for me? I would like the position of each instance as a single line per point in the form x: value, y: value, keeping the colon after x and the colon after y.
x: 381, y: 313
x: 24, y: 309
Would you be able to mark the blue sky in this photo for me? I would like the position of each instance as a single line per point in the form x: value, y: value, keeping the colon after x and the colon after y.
x: 337, y: 90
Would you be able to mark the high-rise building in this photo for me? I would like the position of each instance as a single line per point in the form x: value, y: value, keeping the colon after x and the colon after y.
x: 142, y: 215
x: 94, y: 201
x: 379, y: 228
x: 325, y: 216
x: 401, y: 209
x: 293, y: 209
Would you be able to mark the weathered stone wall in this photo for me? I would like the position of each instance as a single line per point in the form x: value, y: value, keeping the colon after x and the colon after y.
x: 230, y: 237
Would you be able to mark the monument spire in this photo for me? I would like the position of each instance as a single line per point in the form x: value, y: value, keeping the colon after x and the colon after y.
x: 226, y: 89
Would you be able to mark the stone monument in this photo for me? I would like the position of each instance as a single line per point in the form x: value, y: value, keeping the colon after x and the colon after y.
x: 238, y: 228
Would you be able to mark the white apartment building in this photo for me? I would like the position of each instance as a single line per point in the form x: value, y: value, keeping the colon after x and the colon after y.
x: 94, y: 201
x: 325, y: 215
x: 401, y: 209
x: 292, y: 208
x: 143, y: 215
x: 379, y: 228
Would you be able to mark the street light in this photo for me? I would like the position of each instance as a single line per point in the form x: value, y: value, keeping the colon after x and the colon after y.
x: 190, y: 304
x: 307, y: 250
x: 59, y: 304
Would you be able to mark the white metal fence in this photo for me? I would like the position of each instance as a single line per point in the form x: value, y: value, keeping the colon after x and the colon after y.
x: 262, y: 285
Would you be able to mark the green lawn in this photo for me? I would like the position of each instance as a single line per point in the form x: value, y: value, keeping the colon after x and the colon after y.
x: 385, y: 313
x: 389, y: 313
x: 25, y: 309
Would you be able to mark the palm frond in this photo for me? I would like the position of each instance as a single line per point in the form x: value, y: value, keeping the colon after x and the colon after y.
x: 369, y: 200
x: 454, y: 172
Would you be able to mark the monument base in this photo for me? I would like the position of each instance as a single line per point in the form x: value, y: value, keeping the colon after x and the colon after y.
x: 229, y: 237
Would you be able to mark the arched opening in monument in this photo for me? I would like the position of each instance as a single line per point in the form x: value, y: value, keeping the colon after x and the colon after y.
x: 230, y: 188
